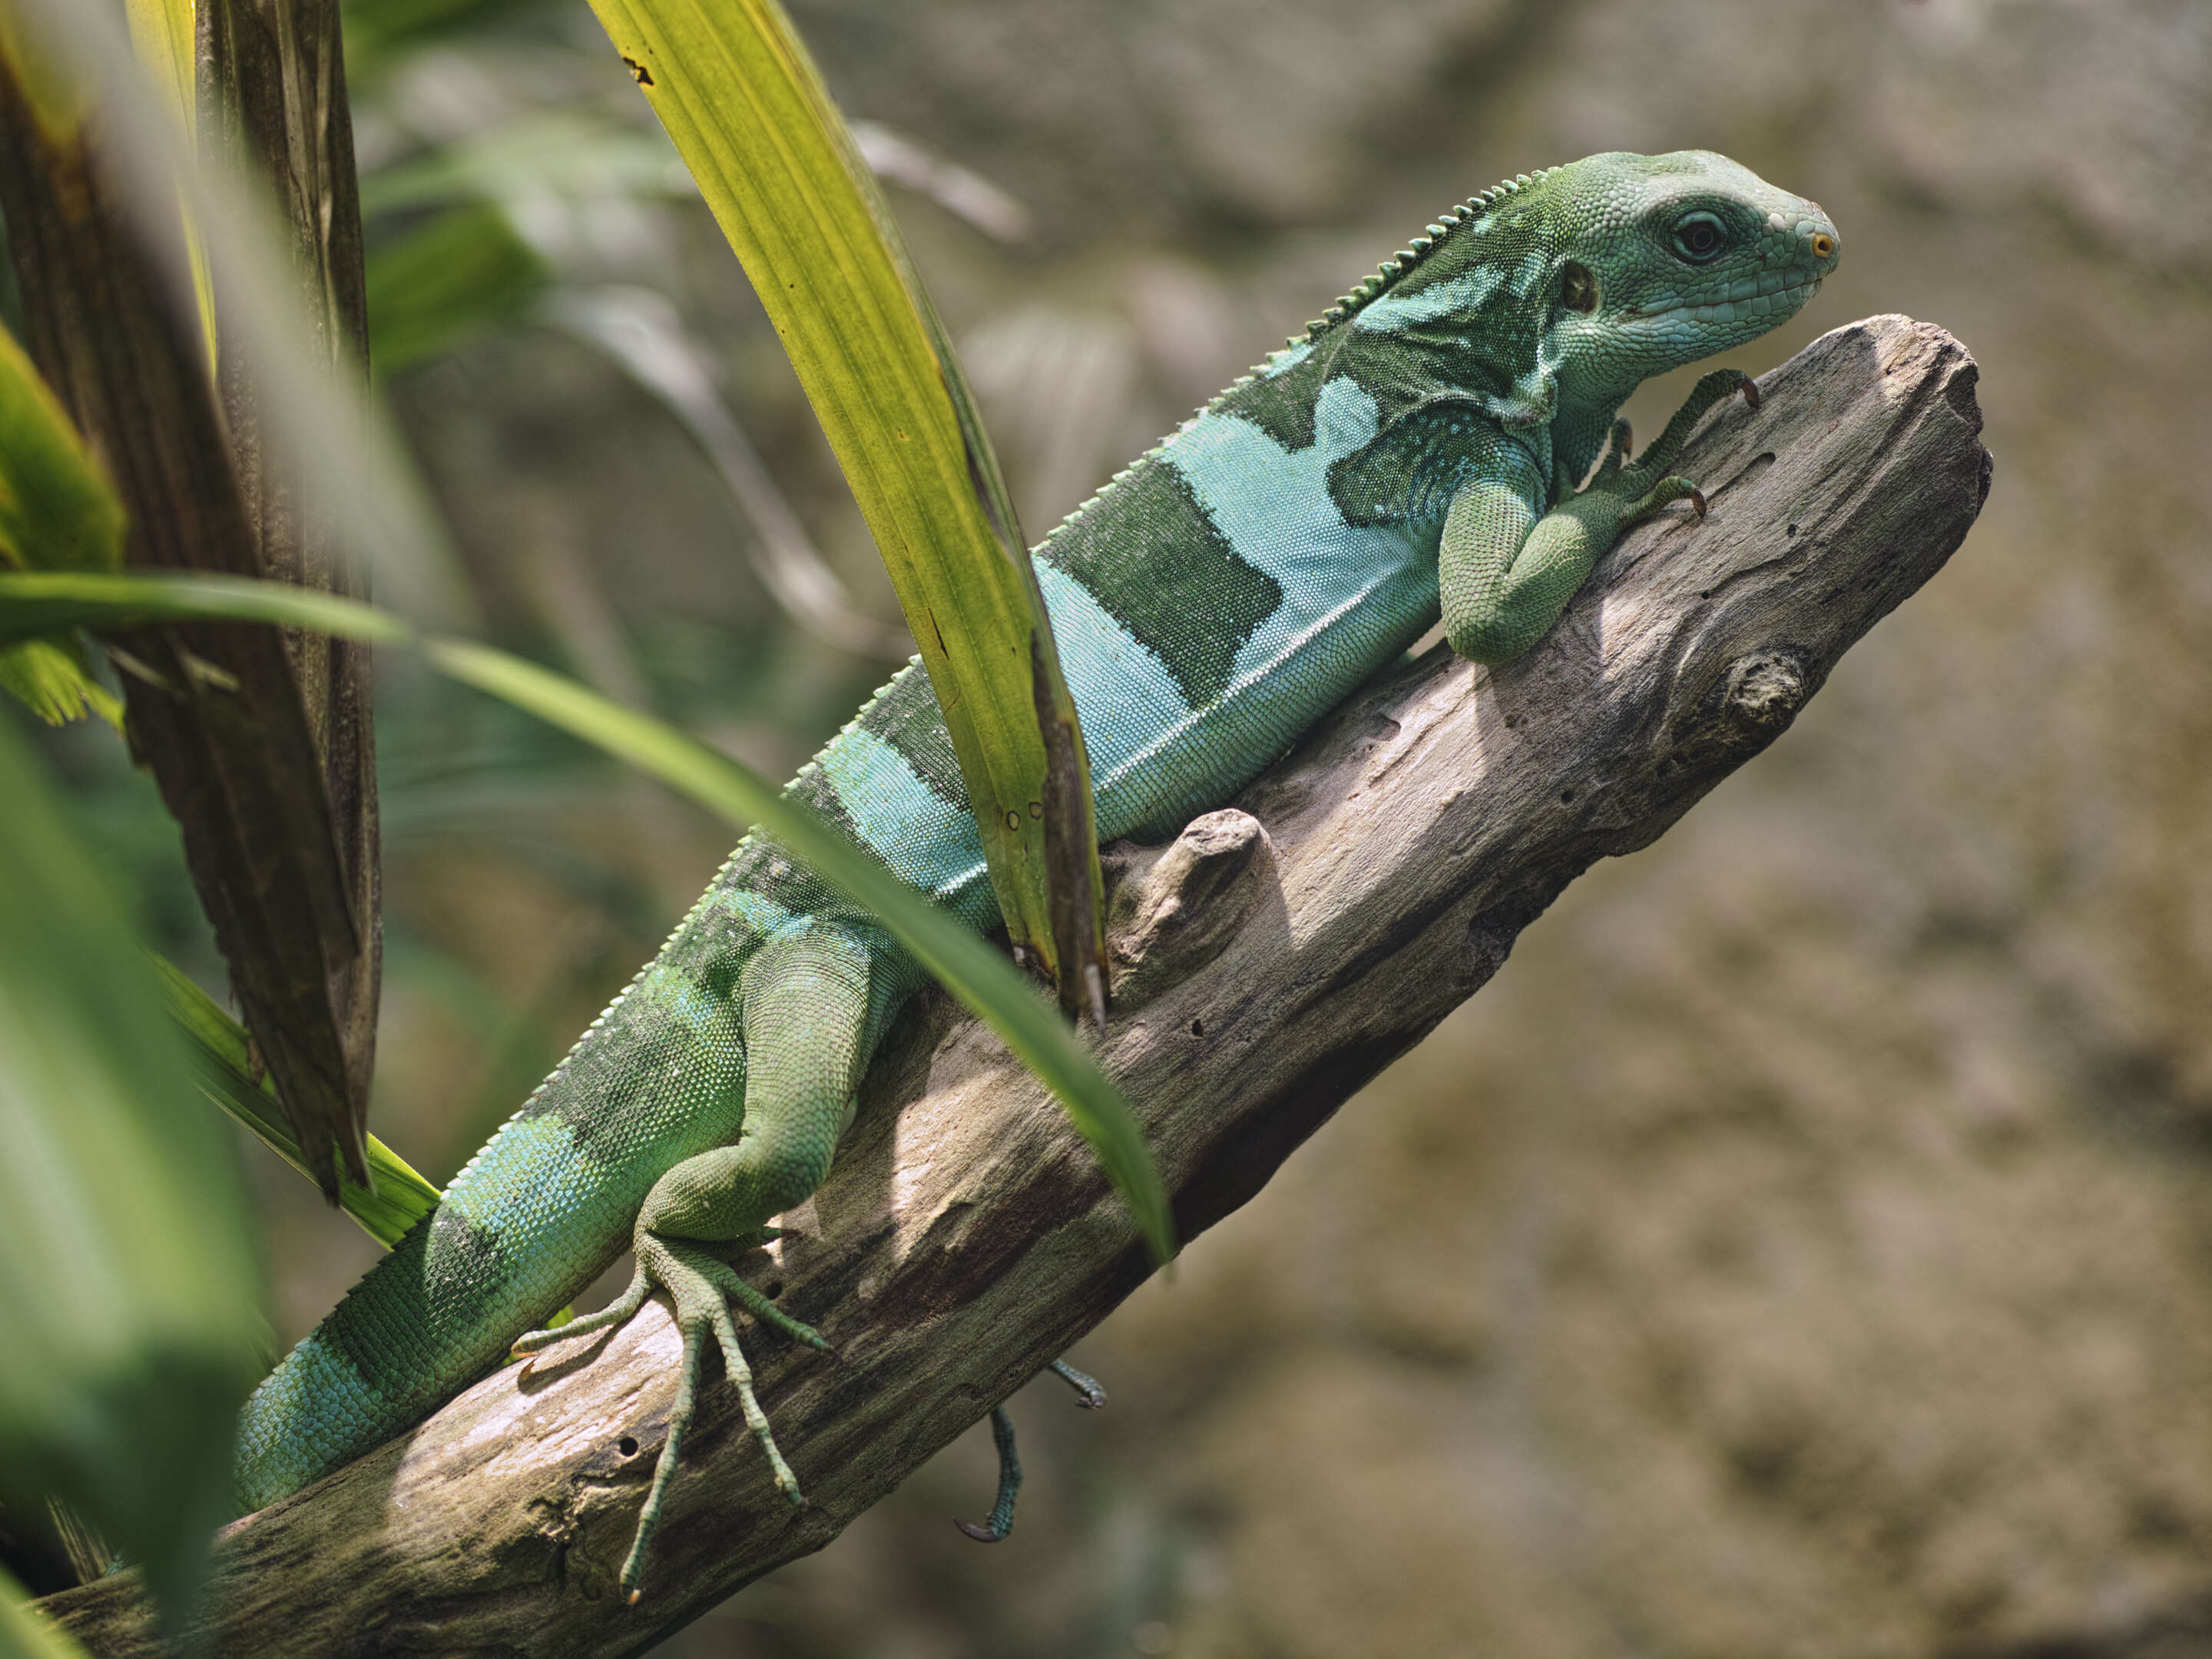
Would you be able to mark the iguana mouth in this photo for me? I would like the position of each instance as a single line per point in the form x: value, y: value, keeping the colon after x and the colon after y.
x: 1738, y: 307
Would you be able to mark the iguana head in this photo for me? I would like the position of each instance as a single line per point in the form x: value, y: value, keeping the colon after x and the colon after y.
x: 1656, y: 261
x: 1555, y: 293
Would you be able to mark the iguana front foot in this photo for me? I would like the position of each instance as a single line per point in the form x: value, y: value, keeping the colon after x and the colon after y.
x: 1503, y: 574
x: 1658, y: 486
x: 1640, y: 488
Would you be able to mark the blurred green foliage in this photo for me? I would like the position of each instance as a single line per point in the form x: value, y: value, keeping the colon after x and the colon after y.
x: 57, y: 513
x: 379, y: 32
x: 460, y: 269
x: 23, y: 1633
x: 128, y: 1283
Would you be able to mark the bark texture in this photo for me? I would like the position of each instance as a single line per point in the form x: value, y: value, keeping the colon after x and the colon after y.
x: 1269, y: 963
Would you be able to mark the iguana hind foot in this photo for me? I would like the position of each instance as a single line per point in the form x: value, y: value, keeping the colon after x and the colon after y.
x: 1088, y: 1395
x: 701, y: 1286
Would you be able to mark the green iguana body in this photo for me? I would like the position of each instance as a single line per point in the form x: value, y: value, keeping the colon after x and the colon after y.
x: 1418, y: 447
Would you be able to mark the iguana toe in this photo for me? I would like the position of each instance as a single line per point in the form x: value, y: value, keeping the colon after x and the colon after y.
x: 1671, y: 488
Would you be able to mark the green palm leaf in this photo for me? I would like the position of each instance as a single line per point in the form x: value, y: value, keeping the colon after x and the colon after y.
x: 226, y: 1076
x: 733, y: 84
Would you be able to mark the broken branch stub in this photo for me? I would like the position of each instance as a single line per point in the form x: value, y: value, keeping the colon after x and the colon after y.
x: 1372, y: 881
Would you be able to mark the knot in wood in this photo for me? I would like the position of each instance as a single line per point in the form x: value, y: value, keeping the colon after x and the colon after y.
x: 1764, y: 692
x: 1176, y: 908
x: 1750, y: 705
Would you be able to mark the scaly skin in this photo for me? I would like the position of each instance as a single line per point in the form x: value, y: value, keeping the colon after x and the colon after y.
x: 1417, y: 449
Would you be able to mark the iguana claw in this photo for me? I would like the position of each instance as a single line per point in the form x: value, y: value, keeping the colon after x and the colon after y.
x: 1089, y: 1394
x: 995, y: 1530
x: 703, y: 1286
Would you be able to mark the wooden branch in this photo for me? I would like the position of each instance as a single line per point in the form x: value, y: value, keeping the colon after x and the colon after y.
x: 1270, y: 961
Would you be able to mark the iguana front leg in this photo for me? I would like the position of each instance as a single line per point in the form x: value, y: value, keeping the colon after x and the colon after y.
x: 806, y: 1000
x: 1505, y: 574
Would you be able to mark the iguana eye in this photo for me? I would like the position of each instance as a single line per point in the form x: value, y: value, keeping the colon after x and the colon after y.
x: 1578, y: 288
x: 1698, y: 237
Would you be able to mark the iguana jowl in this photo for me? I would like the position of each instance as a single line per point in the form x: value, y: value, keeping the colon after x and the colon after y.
x: 1416, y: 449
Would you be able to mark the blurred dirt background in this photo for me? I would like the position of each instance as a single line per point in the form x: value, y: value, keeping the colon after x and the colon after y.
x: 1804, y: 1247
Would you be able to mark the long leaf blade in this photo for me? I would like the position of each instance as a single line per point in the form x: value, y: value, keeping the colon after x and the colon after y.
x: 962, y: 962
x: 37, y: 603
x: 401, y: 1197
x: 271, y: 85
x: 734, y: 85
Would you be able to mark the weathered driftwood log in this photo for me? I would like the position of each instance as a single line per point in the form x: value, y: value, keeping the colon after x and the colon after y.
x: 1270, y: 961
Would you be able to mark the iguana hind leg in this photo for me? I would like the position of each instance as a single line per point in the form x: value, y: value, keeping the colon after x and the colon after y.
x: 806, y: 1000
x: 1088, y: 1395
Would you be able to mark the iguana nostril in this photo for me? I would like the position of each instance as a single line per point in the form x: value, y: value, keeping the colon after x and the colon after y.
x: 1823, y: 245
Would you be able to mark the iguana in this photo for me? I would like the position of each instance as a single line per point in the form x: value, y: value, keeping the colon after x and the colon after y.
x: 1416, y: 449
